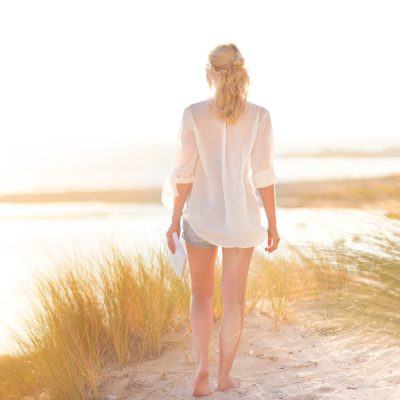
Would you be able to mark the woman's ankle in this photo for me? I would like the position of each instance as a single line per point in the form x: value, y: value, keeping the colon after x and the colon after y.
x: 223, y: 377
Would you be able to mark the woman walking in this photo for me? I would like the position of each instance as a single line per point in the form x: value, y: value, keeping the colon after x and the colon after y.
x: 224, y: 154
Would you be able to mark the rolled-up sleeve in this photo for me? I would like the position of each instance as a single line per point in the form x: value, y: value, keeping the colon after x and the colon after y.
x: 263, y: 173
x: 186, y: 158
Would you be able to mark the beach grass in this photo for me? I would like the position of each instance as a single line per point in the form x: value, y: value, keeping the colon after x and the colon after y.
x: 371, y: 299
x: 115, y: 307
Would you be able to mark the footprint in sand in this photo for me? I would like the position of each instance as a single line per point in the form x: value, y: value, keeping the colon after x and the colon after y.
x: 325, y: 389
x: 262, y: 356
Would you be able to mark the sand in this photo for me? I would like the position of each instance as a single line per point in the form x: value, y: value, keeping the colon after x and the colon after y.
x: 291, y: 362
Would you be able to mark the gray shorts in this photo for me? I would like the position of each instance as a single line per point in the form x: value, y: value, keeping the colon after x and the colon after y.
x: 192, y: 237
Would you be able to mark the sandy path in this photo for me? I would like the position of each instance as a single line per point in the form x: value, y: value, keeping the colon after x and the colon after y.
x: 290, y: 363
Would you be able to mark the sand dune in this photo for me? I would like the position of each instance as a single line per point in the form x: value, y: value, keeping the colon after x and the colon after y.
x: 292, y: 362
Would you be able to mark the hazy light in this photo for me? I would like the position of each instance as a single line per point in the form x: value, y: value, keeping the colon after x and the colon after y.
x: 112, y: 72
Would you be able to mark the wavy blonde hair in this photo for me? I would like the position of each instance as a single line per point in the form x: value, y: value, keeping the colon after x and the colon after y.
x: 226, y: 71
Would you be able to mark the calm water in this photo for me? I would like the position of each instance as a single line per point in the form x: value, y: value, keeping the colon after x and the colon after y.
x: 33, y: 237
x: 92, y: 169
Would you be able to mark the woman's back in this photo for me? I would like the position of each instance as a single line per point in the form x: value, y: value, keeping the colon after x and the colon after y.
x: 225, y: 163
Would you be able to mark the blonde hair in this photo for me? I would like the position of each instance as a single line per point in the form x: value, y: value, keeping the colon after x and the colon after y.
x: 231, y: 81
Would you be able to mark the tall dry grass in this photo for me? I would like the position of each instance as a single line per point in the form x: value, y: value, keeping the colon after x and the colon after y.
x: 112, y: 306
x: 66, y: 336
x: 370, y: 302
x: 115, y: 307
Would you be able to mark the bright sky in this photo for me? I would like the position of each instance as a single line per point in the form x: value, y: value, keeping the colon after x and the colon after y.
x: 115, y: 71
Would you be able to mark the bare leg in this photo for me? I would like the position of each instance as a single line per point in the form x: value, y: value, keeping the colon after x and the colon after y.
x: 236, y: 263
x: 202, y: 271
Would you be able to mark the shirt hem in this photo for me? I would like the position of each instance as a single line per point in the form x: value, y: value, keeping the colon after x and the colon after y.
x: 222, y: 243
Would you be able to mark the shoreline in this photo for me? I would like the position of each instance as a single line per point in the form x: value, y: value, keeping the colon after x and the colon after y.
x: 329, y: 193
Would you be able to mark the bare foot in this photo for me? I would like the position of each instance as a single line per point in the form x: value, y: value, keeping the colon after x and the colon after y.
x: 227, y: 384
x: 201, y: 384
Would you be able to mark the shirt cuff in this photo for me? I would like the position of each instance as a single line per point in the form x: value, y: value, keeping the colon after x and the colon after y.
x: 264, y: 178
x: 170, y: 190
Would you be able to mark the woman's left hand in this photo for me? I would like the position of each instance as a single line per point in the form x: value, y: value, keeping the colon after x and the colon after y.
x: 174, y: 227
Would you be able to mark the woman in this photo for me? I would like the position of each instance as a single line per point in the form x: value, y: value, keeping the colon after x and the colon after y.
x: 224, y: 154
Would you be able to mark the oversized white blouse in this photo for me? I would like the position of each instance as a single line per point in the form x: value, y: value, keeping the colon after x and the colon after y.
x: 225, y: 163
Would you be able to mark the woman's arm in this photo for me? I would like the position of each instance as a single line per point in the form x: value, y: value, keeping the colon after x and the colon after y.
x: 180, y: 180
x: 267, y: 195
x: 263, y: 175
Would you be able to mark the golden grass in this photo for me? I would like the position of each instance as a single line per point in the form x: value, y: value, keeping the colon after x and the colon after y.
x: 392, y: 209
x: 115, y: 307
x: 67, y: 335
x: 17, y: 377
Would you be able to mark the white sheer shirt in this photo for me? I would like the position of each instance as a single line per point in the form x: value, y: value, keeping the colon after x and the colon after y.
x: 225, y: 163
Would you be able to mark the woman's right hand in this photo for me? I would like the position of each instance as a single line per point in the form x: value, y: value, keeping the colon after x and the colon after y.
x: 273, y: 240
x: 174, y: 227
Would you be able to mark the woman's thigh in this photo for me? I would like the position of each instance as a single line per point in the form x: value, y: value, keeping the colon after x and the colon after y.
x: 202, y: 268
x: 235, y: 267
